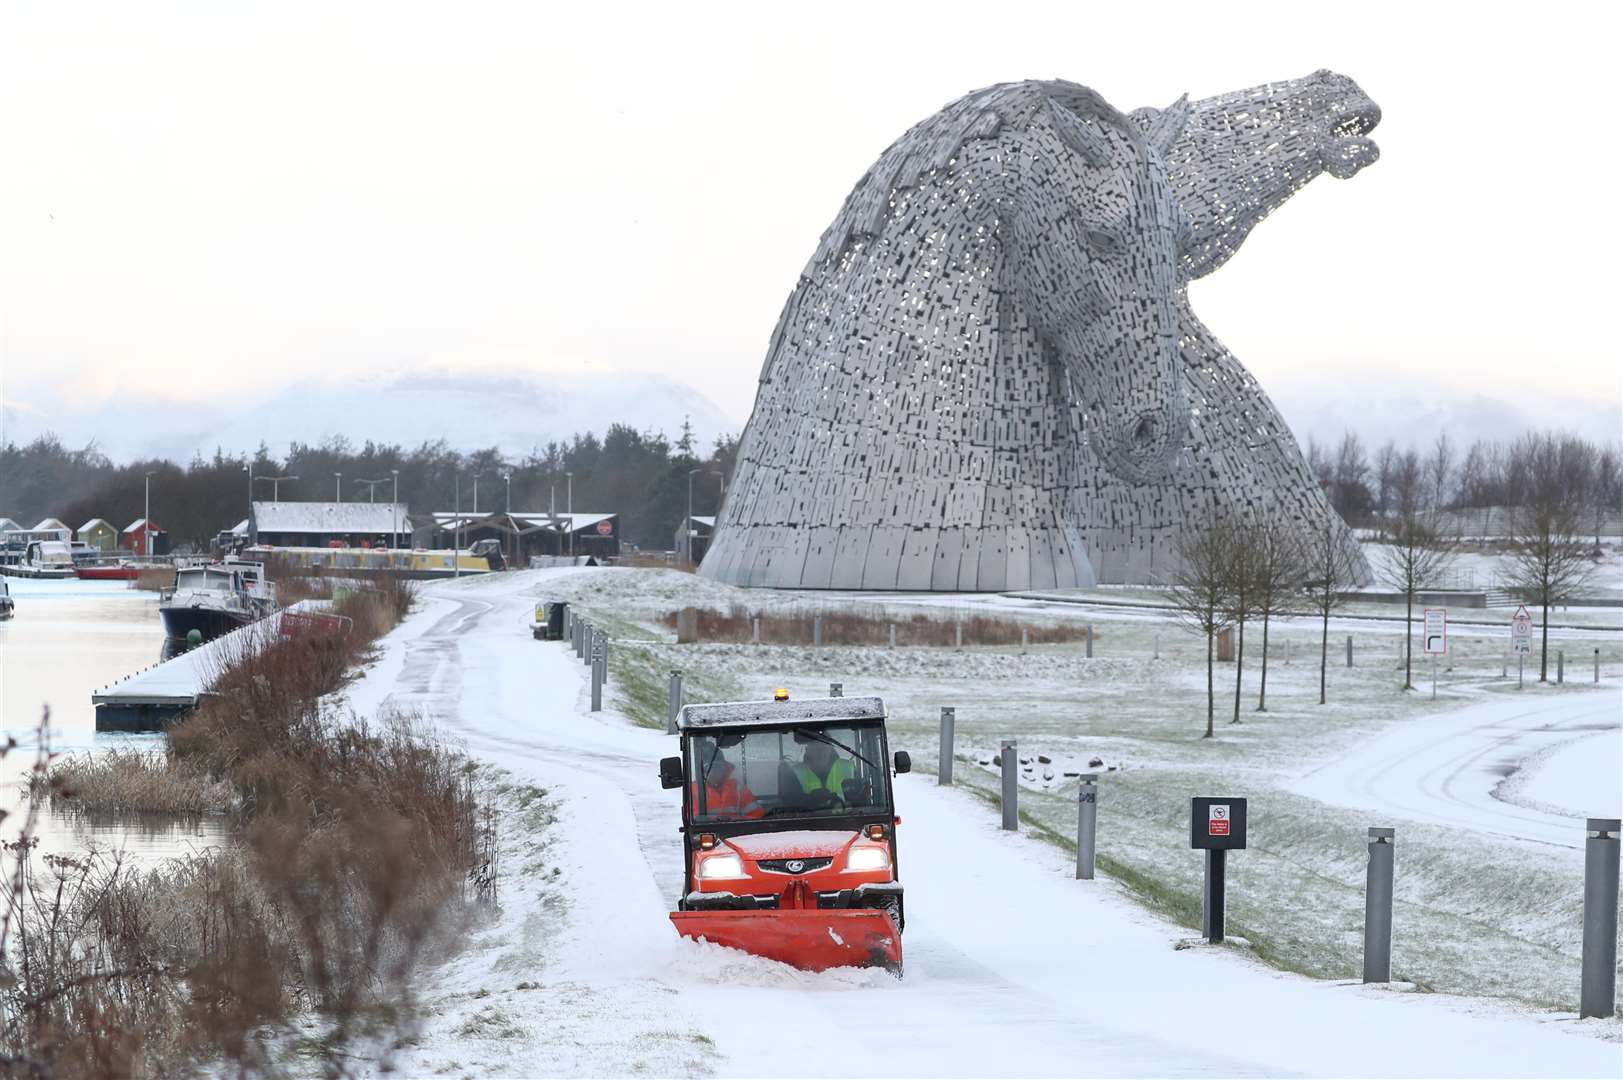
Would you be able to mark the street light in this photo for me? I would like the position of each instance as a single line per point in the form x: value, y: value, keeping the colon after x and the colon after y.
x: 394, y: 509
x: 146, y: 521
x: 569, y: 509
x: 687, y: 526
x: 338, y: 487
x: 371, y: 488
x: 456, y: 527
x: 276, y: 485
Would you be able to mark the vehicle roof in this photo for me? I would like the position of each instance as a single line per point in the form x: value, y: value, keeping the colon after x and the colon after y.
x: 728, y: 714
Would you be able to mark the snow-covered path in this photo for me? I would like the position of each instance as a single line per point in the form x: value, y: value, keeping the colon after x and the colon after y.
x: 1460, y: 768
x: 1013, y: 968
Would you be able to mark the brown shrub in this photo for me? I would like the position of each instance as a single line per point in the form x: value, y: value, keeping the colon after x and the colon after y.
x: 845, y: 627
x: 153, y: 578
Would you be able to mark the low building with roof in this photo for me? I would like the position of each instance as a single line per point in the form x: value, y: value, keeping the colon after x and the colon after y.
x: 52, y: 525
x: 100, y: 534
x: 693, y: 538
x: 145, y: 538
x: 329, y: 524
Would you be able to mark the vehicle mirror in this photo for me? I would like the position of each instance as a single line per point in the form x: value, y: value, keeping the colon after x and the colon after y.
x: 670, y: 772
x: 904, y: 763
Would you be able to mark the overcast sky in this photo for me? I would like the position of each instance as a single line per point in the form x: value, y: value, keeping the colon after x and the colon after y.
x: 276, y: 192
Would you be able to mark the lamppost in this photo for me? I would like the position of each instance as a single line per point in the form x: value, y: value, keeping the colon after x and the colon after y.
x: 146, y: 521
x: 456, y: 527
x: 687, y: 526
x: 371, y: 488
x: 249, y: 469
x: 394, y: 509
x: 338, y: 487
x: 569, y: 509
x: 276, y: 485
x: 507, y: 478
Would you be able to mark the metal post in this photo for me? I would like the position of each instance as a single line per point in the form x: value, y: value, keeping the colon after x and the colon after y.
x: 1434, y: 676
x: 1090, y: 641
x: 603, y: 654
x: 1087, y: 819
x: 673, y: 704
x: 1518, y: 671
x: 1011, y: 787
x: 1157, y: 645
x: 1211, y: 913
x: 1378, y: 908
x: 893, y: 645
x: 943, y: 774
x: 1025, y: 639
x: 587, y: 643
x: 958, y: 635
x: 1597, y: 665
x: 1560, y: 666
x: 1599, y: 997
x: 817, y: 631
x: 597, y: 686
x: 836, y: 689
x: 1349, y: 650
x: 755, y: 630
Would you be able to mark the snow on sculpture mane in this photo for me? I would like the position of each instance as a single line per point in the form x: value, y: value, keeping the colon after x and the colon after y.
x: 988, y: 376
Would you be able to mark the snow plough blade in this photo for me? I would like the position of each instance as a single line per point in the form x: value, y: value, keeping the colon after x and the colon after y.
x: 812, y: 940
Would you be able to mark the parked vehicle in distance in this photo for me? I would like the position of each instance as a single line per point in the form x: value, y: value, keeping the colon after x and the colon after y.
x: 7, y: 606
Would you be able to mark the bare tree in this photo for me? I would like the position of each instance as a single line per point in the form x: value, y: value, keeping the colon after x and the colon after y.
x: 1386, y: 475
x: 1439, y: 469
x: 1279, y: 572
x: 1328, y: 571
x: 1199, y: 593
x: 1548, y: 562
x: 1418, y: 558
x: 1407, y: 482
x: 1241, y: 602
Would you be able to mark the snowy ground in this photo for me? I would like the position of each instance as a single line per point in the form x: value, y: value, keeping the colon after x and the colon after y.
x: 1013, y: 968
x: 1480, y: 915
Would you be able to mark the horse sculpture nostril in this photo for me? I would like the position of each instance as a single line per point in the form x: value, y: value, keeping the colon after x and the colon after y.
x: 1144, y: 434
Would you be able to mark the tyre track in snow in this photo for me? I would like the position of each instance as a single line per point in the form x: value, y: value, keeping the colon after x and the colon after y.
x: 1447, y: 769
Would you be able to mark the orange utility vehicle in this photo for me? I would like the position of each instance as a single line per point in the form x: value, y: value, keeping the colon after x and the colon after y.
x: 789, y: 830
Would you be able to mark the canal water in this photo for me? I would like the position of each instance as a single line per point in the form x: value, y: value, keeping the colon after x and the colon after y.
x: 68, y: 639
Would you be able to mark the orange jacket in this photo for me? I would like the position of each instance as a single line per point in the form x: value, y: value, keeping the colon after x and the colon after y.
x: 729, y: 798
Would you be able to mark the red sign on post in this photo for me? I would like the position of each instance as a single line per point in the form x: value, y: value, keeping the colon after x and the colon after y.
x: 1217, y: 821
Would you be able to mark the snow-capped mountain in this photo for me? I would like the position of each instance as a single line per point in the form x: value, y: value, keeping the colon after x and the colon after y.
x: 513, y: 413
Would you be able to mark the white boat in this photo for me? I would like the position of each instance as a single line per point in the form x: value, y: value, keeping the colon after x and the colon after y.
x: 43, y: 559
x: 215, y: 599
x: 7, y: 606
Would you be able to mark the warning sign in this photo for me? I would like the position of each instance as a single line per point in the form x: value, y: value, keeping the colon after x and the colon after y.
x: 1217, y: 821
x: 1521, y: 632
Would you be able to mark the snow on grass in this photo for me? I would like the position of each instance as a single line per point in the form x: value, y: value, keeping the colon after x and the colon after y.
x: 1580, y: 778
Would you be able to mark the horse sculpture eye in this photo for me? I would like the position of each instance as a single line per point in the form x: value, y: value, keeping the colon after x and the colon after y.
x: 1103, y: 244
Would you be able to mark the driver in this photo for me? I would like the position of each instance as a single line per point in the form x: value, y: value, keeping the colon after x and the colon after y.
x: 822, y: 774
x: 724, y: 794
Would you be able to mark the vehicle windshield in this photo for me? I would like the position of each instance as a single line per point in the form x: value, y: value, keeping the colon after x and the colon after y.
x: 814, y: 770
x: 204, y: 579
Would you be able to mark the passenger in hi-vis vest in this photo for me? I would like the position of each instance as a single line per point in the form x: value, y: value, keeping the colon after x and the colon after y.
x: 724, y: 794
x: 822, y: 775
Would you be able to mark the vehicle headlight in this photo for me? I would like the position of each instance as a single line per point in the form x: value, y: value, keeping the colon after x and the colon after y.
x: 723, y: 865
x: 867, y: 858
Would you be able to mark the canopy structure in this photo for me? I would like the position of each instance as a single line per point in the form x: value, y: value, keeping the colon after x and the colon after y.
x: 526, y: 533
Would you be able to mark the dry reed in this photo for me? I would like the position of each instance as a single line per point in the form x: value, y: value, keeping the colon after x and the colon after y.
x: 845, y: 627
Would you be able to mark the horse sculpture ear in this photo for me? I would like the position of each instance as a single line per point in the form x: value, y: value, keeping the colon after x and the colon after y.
x: 1075, y: 134
x: 1168, y: 125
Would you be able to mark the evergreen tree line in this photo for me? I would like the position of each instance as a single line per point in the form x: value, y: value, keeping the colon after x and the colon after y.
x: 1515, y: 473
x: 642, y: 476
